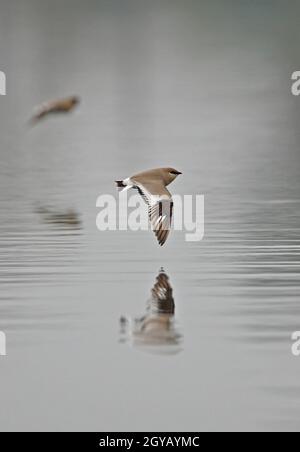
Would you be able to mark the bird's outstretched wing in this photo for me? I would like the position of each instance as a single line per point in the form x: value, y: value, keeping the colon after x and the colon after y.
x: 160, y: 207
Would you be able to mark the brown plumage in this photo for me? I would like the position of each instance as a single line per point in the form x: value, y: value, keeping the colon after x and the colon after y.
x: 151, y: 185
x: 65, y: 105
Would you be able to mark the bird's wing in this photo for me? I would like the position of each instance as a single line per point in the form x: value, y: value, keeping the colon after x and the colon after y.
x: 160, y: 207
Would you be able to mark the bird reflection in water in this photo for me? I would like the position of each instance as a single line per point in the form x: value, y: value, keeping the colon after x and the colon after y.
x: 156, y: 331
x: 64, y: 218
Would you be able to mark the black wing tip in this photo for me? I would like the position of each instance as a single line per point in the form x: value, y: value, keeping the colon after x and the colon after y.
x: 162, y: 240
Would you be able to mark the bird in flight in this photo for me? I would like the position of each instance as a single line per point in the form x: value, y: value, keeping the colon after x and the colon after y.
x: 55, y: 106
x: 151, y: 185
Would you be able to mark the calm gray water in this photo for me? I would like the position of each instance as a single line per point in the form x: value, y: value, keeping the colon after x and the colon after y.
x: 202, y: 86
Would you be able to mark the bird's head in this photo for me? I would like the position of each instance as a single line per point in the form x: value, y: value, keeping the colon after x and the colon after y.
x: 170, y: 174
x: 75, y: 100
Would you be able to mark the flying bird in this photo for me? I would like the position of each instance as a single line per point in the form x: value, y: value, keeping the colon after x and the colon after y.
x: 56, y: 106
x: 151, y: 185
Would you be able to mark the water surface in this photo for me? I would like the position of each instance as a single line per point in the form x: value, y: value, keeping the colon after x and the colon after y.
x: 203, y: 87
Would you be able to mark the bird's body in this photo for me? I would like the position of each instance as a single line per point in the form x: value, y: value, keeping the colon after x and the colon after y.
x: 56, y: 106
x: 152, y: 185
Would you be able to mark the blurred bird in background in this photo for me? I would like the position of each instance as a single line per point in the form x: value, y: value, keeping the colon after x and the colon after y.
x: 65, y: 105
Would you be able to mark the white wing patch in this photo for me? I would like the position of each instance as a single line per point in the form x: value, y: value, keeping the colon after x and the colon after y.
x: 160, y: 211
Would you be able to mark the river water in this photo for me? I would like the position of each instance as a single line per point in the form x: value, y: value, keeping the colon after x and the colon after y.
x: 200, y: 86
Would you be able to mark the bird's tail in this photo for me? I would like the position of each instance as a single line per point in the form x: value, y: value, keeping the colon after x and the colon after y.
x: 35, y: 119
x: 121, y: 186
x: 32, y: 121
